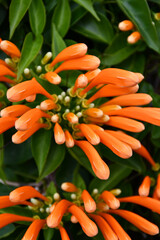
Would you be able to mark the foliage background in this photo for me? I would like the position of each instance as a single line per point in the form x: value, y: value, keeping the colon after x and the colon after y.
x: 57, y: 24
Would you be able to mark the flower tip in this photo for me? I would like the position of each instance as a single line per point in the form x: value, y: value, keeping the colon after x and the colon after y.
x: 125, y: 25
x: 133, y: 38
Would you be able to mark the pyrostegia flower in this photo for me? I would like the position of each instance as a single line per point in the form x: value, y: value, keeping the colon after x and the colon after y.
x: 74, y: 115
x: 48, y: 211
x: 127, y: 25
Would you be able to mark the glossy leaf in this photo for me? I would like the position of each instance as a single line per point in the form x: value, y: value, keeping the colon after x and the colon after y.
x: 48, y: 233
x: 55, y: 158
x: 30, y: 49
x: 118, y: 50
x: 117, y: 174
x: 78, y: 180
x: 101, y: 31
x: 57, y: 42
x: 7, y: 230
x: 37, y: 16
x: 139, y: 13
x: 88, y: 5
x: 17, y: 10
x: 62, y: 17
x: 41, y: 142
x: 77, y: 13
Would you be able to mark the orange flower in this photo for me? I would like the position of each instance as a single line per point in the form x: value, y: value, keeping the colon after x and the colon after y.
x: 110, y: 199
x: 88, y: 226
x: 144, y: 188
x: 125, y: 25
x: 134, y: 37
x: 89, y: 203
x: 14, y: 111
x: 6, y: 202
x: 10, y: 49
x: 34, y: 229
x: 7, y: 123
x: 63, y: 233
x: 59, y: 134
x: 69, y: 187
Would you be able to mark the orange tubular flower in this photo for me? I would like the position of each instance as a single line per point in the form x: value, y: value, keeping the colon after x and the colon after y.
x: 59, y: 134
x: 25, y: 89
x: 140, y: 222
x: 142, y: 151
x: 88, y: 226
x: 121, y: 234
x: 89, y: 203
x: 104, y: 227
x: 14, y: 111
x: 23, y: 193
x: 69, y: 139
x: 6, y: 123
x: 148, y: 202
x: 10, y: 49
x: 71, y: 52
x: 134, y: 37
x: 144, y: 188
x: 125, y: 25
x: 63, y: 233
x: 91, y: 136
x: 5, y: 79
x: 6, y: 71
x: 5, y: 202
x: 29, y: 118
x: 34, y: 229
x: 54, y: 219
x: 92, y: 74
x: 69, y: 187
x: 21, y: 136
x: 110, y: 199
x: 31, y: 98
x: 48, y: 105
x: 99, y: 167
x: 72, y: 118
x: 53, y: 78
x: 10, y: 218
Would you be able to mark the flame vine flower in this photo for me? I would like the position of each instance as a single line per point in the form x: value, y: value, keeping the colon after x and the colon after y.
x: 85, y: 114
x: 89, y: 210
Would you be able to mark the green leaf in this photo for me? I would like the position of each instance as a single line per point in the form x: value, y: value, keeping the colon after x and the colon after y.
x: 77, y: 179
x: 139, y: 14
x: 117, y: 174
x: 118, y: 50
x: 62, y: 17
x: 30, y: 49
x: 101, y: 31
x: 81, y: 158
x: 41, y: 142
x: 55, y: 158
x: 51, y: 189
x: 77, y: 13
x: 48, y: 233
x: 57, y: 42
x: 37, y: 16
x: 17, y: 10
x: 6, y: 231
x: 88, y: 5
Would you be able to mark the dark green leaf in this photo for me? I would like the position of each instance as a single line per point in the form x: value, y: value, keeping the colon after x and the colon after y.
x: 118, y: 50
x: 117, y: 174
x: 1, y: 150
x: 18, y: 210
x: 41, y: 142
x: 37, y: 16
x: 139, y: 13
x: 48, y: 233
x: 62, y: 17
x: 55, y: 158
x: 57, y: 42
x: 51, y: 189
x: 77, y: 13
x: 77, y: 179
x: 7, y: 230
x: 17, y: 10
x: 101, y: 31
x: 88, y: 5
x: 31, y: 47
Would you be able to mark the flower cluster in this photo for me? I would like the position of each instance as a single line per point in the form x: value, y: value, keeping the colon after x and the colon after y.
x: 127, y: 25
x: 85, y: 114
x: 82, y: 206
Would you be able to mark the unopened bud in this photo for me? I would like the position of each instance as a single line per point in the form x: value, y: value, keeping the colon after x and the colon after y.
x: 46, y: 58
x: 56, y: 196
x: 38, y: 69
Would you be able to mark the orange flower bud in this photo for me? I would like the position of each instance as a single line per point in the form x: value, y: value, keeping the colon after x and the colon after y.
x: 5, y: 202
x: 72, y: 118
x: 59, y: 134
x: 31, y: 98
x: 10, y: 48
x: 29, y: 118
x: 74, y: 51
x: 63, y: 233
x: 92, y: 74
x: 81, y: 82
x: 89, y: 203
x: 5, y: 79
x: 104, y: 227
x: 48, y: 105
x: 140, y: 222
x: 69, y: 139
x: 54, y: 219
x: 25, y: 89
x: 14, y: 111
x: 134, y: 37
x: 6, y: 71
x: 21, y: 136
x: 94, y: 112
x: 6, y: 123
x: 88, y: 226
x: 7, y: 218
x: 142, y: 151
x: 69, y: 187
x: 34, y: 229
x: 110, y: 199
x: 87, y: 62
x: 91, y: 136
x: 102, y: 206
x: 23, y: 193
x: 125, y: 25
x: 52, y: 77
x: 99, y: 167
x: 121, y: 234
x: 145, y: 187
